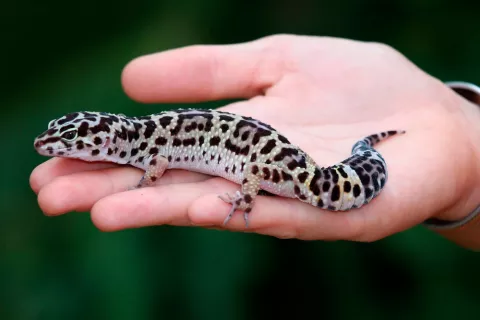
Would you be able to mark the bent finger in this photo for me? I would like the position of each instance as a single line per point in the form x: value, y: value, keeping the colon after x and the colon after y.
x: 153, y: 206
x: 203, y: 72
x: 45, y: 172
x: 80, y: 191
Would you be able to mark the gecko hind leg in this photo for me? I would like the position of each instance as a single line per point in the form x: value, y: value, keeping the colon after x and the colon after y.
x: 237, y: 202
x: 243, y: 200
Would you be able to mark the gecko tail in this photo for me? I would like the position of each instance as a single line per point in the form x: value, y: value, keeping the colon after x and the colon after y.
x: 373, y: 139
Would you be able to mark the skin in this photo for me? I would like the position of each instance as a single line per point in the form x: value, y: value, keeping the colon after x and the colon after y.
x: 323, y: 94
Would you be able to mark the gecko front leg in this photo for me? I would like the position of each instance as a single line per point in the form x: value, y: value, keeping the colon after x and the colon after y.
x: 156, y: 167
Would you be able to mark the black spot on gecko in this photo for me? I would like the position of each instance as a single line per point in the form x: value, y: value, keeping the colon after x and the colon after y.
x: 342, y: 172
x: 153, y: 162
x: 177, y: 159
x: 140, y: 159
x: 189, y: 142
x: 245, y: 181
x: 176, y: 142
x: 83, y: 129
x: 226, y: 118
x: 245, y: 135
x: 143, y: 146
x: 102, y: 126
x: 165, y: 121
x: 68, y: 117
x: 286, y: 176
x: 367, y: 166
x: 122, y: 154
x: 247, y: 198
x: 326, y: 186
x: 132, y: 135
x: 177, y: 128
x: 365, y: 178
x: 368, y: 193
x: 214, y: 141
x: 268, y: 146
x: 133, y: 152
x: 292, y: 165
x: 95, y: 152
x: 201, y: 140
x: 234, y: 168
x: 356, y: 190
x: 347, y: 186
x: 326, y: 174
x: 313, y: 186
x: 253, y: 157
x: 334, y: 176
x: 97, y: 140
x: 296, y: 189
x: 275, y: 176
x: 63, y: 129
x: 335, y: 196
x: 260, y: 133
x: 320, y: 203
x: 283, y: 139
x: 302, y: 176
x: 376, y: 186
x: 224, y: 127
x: 254, y: 169
x: 266, y: 173
x: 169, y: 158
x: 153, y: 150
x: 161, y: 141
x: 285, y: 152
x: 150, y: 128
x: 109, y: 151
x: 244, y: 151
x: 200, y: 127
x: 208, y: 125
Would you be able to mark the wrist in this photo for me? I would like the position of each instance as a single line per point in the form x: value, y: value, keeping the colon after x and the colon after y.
x: 466, y: 211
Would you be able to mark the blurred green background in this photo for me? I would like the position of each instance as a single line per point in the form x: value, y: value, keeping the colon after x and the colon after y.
x: 62, y: 56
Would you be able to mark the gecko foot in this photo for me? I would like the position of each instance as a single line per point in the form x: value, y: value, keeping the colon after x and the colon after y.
x: 238, y: 201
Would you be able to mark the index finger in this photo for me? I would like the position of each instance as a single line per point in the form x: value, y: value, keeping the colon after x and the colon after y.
x: 203, y: 72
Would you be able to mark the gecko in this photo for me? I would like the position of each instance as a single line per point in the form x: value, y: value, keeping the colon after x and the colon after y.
x: 238, y: 148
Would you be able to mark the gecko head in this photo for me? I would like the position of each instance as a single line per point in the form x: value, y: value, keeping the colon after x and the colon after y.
x: 84, y: 135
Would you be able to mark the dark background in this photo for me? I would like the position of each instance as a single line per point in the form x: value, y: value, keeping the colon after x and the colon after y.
x: 59, y: 56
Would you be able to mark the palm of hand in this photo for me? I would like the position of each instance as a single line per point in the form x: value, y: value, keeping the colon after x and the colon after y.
x: 323, y: 94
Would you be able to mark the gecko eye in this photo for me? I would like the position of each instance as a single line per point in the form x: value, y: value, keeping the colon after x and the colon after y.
x: 70, y: 135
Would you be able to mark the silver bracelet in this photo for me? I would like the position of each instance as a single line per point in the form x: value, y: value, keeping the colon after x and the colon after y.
x: 470, y: 92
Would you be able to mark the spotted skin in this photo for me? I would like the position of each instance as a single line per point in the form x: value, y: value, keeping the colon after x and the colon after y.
x: 237, y: 148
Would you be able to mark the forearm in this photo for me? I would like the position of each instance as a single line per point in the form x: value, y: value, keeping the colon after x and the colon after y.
x: 462, y: 225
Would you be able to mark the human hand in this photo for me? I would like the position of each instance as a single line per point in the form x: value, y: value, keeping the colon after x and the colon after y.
x: 323, y: 94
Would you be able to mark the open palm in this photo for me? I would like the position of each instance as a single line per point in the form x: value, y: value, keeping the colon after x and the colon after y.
x: 323, y: 94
